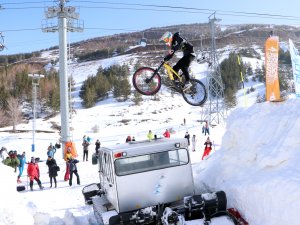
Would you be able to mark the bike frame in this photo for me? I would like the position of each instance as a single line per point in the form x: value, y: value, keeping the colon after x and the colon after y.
x: 170, y: 71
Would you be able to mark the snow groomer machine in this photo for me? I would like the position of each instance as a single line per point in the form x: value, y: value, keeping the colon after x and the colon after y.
x: 151, y: 182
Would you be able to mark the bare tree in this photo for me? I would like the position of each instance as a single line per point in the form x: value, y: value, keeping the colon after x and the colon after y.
x: 14, y: 112
x: 3, y: 119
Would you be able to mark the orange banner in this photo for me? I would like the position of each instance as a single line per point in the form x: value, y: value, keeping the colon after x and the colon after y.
x: 271, y: 64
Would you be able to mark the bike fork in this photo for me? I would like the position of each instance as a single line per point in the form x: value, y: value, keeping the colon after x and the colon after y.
x: 155, y: 72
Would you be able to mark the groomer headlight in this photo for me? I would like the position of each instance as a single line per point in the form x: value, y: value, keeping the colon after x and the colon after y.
x: 177, y: 145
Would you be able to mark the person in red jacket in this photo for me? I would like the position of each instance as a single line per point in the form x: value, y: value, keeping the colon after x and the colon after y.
x: 208, y: 147
x: 33, y: 173
x: 167, y: 134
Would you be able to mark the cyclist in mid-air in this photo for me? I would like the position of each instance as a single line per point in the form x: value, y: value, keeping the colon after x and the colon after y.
x: 176, y: 42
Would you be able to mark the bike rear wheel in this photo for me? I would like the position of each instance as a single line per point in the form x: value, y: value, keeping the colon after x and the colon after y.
x: 197, y: 94
x: 142, y: 83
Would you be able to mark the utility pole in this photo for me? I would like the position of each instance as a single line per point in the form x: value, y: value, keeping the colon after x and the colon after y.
x: 214, y: 108
x: 67, y: 21
x: 35, y: 83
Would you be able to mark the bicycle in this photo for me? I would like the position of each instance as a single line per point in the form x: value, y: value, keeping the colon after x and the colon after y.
x: 147, y: 81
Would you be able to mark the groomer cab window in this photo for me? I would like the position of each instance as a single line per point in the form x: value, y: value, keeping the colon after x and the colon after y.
x: 151, y: 161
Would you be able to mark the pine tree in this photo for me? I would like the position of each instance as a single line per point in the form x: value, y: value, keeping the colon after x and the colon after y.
x: 137, y: 98
x: 231, y: 76
x: 90, y: 97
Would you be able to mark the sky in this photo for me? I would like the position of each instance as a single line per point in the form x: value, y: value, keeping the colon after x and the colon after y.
x: 21, y: 21
x: 255, y: 154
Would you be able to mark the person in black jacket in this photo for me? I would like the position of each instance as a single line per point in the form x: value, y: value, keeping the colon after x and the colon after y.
x: 187, y: 136
x: 97, y: 144
x: 85, y: 145
x: 73, y: 169
x: 51, y: 163
x: 176, y: 42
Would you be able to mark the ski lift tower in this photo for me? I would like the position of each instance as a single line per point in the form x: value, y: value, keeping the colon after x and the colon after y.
x: 68, y: 21
x: 214, y: 109
x: 2, y: 46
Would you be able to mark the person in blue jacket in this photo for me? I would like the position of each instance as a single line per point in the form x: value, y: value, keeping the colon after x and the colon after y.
x: 51, y: 151
x: 22, y: 159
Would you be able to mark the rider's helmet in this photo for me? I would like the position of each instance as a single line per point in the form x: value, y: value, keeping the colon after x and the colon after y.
x: 167, y: 38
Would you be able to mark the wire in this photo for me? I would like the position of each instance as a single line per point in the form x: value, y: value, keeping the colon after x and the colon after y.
x: 167, y: 9
x: 139, y: 9
x: 24, y: 29
x: 182, y: 11
x: 87, y: 28
x: 192, y: 8
x: 21, y: 3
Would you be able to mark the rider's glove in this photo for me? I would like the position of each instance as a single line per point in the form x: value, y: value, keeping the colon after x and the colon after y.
x: 167, y: 57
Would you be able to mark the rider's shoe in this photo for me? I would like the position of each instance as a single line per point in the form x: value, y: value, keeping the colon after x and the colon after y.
x: 187, y: 86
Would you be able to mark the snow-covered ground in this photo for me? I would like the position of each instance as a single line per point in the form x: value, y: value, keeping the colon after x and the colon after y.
x: 254, y: 158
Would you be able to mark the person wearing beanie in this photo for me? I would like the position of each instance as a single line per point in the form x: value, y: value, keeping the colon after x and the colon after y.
x: 52, y: 166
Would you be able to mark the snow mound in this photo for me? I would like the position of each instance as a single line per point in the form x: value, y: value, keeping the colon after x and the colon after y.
x: 259, y: 157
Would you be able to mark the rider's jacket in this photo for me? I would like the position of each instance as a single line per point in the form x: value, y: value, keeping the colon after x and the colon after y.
x: 179, y: 43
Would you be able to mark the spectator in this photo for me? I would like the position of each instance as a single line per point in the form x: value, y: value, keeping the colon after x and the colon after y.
x: 194, y: 141
x: 150, y: 135
x: 187, y: 136
x: 133, y: 138
x: 208, y: 147
x: 184, y: 121
x: 85, y: 145
x: 128, y: 139
x: 3, y: 153
x: 97, y: 144
x: 12, y: 160
x: 73, y: 169
x: 51, y: 150
x: 206, y: 128
x: 52, y: 166
x: 33, y: 173
x: 67, y: 156
x: 22, y: 160
x: 166, y: 134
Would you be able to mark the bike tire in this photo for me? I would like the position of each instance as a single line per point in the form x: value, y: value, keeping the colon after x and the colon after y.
x: 196, y: 95
x: 139, y: 81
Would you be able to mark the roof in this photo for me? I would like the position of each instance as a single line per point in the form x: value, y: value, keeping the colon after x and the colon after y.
x: 146, y: 146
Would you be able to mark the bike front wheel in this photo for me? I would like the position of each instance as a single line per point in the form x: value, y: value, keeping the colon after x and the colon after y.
x: 197, y: 94
x: 142, y: 83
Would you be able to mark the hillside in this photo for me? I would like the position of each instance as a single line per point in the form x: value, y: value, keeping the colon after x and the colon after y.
x: 243, y: 36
